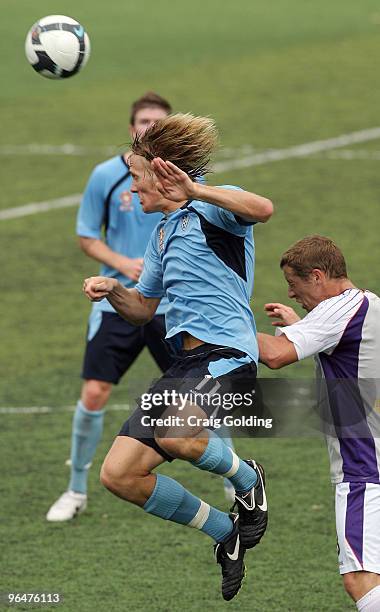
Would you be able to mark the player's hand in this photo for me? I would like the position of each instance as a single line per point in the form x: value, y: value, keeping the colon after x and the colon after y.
x: 98, y: 287
x: 285, y: 314
x: 173, y: 183
x: 131, y: 267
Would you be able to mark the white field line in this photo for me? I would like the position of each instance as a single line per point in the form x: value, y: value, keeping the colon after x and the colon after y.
x: 51, y: 410
x: 70, y: 149
x: 37, y: 207
x: 302, y: 150
x: 48, y: 149
x: 348, y: 154
x: 256, y: 159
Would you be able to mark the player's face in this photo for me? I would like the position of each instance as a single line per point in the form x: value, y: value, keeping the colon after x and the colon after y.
x: 144, y: 184
x: 306, y: 291
x: 144, y: 118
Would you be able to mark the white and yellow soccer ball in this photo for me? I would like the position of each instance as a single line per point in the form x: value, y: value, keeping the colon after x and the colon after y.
x: 57, y: 47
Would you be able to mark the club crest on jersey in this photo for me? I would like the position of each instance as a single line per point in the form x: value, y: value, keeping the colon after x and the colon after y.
x: 161, y: 238
x: 184, y: 222
x: 126, y: 201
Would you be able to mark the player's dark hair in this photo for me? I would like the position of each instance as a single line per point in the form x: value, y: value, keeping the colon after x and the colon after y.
x: 183, y: 139
x: 315, y: 252
x: 149, y: 100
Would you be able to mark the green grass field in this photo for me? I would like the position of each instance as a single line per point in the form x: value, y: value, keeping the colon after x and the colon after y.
x: 273, y: 75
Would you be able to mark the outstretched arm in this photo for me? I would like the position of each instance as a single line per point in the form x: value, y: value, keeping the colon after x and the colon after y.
x: 129, y: 303
x: 176, y: 185
x: 276, y: 351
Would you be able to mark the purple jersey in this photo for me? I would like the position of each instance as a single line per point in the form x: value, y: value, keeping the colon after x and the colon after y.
x: 343, y: 334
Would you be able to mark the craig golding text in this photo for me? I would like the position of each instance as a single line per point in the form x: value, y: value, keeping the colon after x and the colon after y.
x: 195, y: 421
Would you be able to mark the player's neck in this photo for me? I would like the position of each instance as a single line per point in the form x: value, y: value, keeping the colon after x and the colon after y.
x: 336, y: 286
x: 168, y: 206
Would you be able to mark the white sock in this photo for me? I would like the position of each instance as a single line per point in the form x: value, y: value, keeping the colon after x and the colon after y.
x: 370, y: 602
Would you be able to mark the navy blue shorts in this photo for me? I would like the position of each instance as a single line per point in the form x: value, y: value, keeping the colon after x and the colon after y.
x: 190, y: 374
x: 114, y: 346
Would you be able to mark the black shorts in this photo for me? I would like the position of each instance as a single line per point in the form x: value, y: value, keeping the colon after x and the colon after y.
x: 114, y: 346
x: 190, y: 374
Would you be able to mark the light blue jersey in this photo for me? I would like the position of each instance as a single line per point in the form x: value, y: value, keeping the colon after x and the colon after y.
x: 202, y: 257
x: 108, y: 205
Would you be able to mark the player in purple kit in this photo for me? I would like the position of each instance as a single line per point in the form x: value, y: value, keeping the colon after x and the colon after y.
x: 342, y: 331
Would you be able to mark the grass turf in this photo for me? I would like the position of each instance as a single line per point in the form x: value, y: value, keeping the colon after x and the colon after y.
x: 273, y: 75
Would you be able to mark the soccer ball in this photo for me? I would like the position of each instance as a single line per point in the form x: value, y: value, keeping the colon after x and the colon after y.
x: 57, y: 47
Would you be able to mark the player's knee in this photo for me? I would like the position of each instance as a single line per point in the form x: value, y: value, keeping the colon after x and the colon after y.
x: 351, y: 583
x: 110, y: 476
x: 124, y: 484
x: 95, y: 394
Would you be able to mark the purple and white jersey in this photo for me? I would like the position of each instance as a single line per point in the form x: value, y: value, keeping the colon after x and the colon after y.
x: 343, y: 334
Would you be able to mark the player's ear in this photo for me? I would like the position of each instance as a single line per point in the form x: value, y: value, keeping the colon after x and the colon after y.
x: 318, y: 276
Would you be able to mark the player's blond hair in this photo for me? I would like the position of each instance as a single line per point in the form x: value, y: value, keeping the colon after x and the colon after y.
x: 185, y: 140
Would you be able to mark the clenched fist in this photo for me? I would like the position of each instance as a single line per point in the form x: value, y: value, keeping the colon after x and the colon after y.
x: 98, y: 287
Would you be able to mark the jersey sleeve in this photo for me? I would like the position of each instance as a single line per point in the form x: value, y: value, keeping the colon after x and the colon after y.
x: 150, y: 282
x: 226, y: 219
x: 321, y: 330
x: 91, y: 211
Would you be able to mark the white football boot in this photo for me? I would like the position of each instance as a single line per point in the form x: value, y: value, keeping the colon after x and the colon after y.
x: 67, y: 506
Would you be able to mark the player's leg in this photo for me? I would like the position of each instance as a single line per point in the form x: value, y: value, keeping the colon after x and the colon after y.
x: 364, y: 588
x: 357, y: 509
x: 112, y: 345
x: 215, y: 455
x: 207, y: 451
x: 109, y: 354
x: 229, y: 490
x: 127, y: 469
x: 127, y: 473
x: 224, y: 528
x: 87, y: 430
x: 124, y: 472
x: 154, y: 334
x: 246, y: 476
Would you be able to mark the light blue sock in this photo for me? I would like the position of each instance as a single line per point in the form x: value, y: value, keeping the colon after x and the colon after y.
x: 171, y: 501
x: 220, y: 459
x: 224, y: 433
x: 86, y: 433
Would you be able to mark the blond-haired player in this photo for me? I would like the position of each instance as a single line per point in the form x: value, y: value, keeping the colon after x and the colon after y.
x: 201, y: 256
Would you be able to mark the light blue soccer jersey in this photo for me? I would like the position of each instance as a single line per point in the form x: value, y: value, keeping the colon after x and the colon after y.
x: 108, y: 206
x: 202, y: 257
